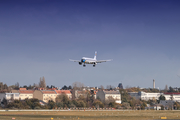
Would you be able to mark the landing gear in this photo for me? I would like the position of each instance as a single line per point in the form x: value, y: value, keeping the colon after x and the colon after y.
x: 94, y: 64
x: 84, y: 65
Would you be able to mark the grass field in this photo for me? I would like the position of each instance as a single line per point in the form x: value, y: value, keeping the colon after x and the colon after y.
x: 89, y: 115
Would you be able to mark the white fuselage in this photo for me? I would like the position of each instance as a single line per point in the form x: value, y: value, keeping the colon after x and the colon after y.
x: 86, y: 60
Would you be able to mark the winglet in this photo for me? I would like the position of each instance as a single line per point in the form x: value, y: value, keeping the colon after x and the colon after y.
x: 95, y: 55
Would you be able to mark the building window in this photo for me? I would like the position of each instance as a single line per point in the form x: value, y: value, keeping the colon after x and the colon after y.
x: 16, y: 95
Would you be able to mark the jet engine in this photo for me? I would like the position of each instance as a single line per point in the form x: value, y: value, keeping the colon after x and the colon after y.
x: 80, y: 63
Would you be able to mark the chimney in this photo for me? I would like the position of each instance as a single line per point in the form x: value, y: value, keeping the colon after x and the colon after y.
x: 153, y: 83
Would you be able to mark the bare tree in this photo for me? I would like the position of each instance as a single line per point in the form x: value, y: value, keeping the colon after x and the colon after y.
x: 1, y: 86
x: 35, y: 85
x: 78, y: 85
x: 17, y: 85
x: 102, y: 87
x: 42, y: 83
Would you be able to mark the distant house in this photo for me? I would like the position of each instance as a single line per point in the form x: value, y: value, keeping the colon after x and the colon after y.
x: 79, y: 93
x: 154, y: 107
x: 94, y: 94
x: 168, y: 104
x: 23, y: 93
x: 104, y: 95
x: 9, y: 96
x: 45, y: 95
x: 145, y: 96
x: 66, y: 92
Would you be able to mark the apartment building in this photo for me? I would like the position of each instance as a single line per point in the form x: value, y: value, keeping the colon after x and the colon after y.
x: 66, y: 92
x: 23, y: 93
x: 149, y: 96
x: 9, y: 96
x: 45, y: 95
x: 104, y: 95
x: 172, y: 96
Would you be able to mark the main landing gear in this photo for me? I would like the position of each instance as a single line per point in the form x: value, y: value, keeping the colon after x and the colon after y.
x: 94, y: 65
x: 84, y: 65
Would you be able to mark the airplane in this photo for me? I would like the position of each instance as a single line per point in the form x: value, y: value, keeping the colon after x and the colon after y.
x: 86, y: 60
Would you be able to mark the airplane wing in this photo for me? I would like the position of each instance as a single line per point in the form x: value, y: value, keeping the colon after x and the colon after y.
x: 100, y: 61
x: 74, y: 60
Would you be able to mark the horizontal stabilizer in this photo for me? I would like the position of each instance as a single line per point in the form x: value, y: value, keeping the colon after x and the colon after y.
x: 100, y: 61
x: 74, y: 60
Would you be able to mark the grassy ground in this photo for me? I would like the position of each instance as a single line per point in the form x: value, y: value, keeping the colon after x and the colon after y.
x: 89, y: 115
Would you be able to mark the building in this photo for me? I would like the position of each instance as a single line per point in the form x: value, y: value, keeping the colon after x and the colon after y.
x: 145, y: 96
x: 134, y: 95
x: 9, y: 96
x: 104, y: 95
x: 23, y: 93
x: 168, y: 104
x: 66, y: 92
x: 79, y: 93
x: 172, y: 96
x: 45, y: 95
x: 149, y: 96
x: 154, y: 107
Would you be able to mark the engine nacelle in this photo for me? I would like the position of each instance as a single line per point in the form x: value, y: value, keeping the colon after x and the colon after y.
x: 80, y: 63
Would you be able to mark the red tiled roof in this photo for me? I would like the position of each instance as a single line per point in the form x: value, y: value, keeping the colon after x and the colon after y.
x: 48, y: 92
x: 22, y: 89
x: 63, y: 91
x: 52, y: 89
x: 26, y: 91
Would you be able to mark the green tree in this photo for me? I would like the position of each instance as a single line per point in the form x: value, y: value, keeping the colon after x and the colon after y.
x: 32, y: 103
x: 4, y: 102
x: 63, y: 101
x: 124, y: 95
x: 171, y: 89
x: 125, y: 105
x: 112, y: 104
x: 142, y: 107
x: 98, y: 104
x: 177, y: 105
x: 51, y: 104
x: 161, y: 97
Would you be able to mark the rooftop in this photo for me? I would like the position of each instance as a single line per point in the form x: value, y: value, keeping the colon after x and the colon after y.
x: 63, y: 91
x: 48, y: 91
x: 111, y: 92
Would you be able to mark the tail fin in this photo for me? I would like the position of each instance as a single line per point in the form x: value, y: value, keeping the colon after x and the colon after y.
x: 95, y: 55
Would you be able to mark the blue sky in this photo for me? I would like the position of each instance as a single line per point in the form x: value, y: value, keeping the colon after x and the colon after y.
x: 37, y: 38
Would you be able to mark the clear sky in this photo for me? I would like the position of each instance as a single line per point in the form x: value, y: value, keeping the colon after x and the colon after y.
x: 37, y: 38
